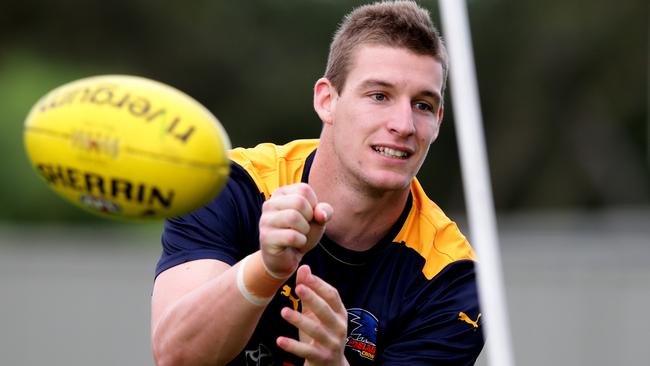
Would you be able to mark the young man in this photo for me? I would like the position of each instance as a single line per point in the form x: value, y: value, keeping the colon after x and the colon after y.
x: 328, y: 252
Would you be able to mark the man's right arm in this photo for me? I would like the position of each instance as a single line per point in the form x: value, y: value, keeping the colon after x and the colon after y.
x: 195, y: 294
x: 204, y: 311
x: 199, y: 316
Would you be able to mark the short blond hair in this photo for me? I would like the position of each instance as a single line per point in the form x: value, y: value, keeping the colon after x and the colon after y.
x: 401, y: 24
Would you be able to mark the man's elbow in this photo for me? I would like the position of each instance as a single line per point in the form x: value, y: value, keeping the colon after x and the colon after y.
x: 166, y: 353
x: 169, y: 353
x: 170, y: 358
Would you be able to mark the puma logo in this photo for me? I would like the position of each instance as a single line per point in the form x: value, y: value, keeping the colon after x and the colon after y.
x: 286, y: 291
x: 462, y: 316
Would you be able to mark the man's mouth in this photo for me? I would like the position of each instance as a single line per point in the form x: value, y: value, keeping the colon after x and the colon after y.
x: 392, y: 153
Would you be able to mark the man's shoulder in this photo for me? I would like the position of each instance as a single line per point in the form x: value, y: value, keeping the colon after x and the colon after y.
x: 271, y: 165
x: 431, y: 233
x: 265, y: 154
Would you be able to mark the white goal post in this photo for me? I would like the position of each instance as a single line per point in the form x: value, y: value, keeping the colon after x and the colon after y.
x: 476, y: 180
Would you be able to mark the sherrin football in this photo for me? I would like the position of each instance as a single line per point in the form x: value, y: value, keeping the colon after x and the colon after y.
x: 127, y: 147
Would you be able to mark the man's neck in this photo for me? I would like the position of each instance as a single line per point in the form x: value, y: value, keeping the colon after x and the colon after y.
x: 361, y: 218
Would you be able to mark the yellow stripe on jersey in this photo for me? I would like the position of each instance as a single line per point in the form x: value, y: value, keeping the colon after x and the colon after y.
x: 432, y: 234
x: 427, y: 229
x: 272, y: 166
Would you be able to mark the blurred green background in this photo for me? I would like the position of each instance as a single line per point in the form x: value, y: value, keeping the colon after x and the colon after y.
x: 564, y: 92
x: 563, y: 85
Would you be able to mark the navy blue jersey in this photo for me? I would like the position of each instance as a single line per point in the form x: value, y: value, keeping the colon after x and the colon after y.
x: 411, y: 299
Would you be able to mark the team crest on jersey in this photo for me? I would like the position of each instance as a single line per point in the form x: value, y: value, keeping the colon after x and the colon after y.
x: 362, y: 328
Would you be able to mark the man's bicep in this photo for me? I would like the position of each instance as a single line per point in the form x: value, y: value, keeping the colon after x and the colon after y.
x: 225, y: 229
x: 174, y: 283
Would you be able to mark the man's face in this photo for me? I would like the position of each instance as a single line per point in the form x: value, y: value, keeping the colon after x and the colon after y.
x: 387, y: 115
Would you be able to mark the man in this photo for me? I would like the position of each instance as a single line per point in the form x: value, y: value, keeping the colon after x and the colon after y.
x: 327, y: 251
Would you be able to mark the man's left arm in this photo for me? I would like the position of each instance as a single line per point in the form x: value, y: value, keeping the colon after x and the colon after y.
x: 322, y: 323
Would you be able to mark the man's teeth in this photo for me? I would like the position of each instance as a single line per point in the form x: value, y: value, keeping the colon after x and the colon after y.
x: 391, y: 152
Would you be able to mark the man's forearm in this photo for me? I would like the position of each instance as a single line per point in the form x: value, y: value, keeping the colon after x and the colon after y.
x: 212, y: 323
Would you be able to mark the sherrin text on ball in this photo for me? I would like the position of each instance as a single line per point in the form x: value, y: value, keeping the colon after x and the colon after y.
x: 127, y: 147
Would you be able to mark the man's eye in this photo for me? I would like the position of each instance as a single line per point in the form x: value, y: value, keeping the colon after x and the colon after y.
x: 378, y: 97
x: 423, y: 106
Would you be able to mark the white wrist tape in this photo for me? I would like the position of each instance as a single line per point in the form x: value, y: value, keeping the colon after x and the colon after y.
x: 255, y: 300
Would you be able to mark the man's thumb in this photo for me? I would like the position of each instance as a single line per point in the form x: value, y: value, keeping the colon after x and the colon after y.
x: 323, y: 213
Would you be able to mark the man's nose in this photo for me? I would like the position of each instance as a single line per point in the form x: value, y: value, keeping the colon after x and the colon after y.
x: 402, y: 119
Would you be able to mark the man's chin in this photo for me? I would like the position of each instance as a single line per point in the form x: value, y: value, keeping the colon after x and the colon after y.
x: 391, y: 183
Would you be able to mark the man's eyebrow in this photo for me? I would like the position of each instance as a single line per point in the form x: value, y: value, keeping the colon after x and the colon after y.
x: 431, y: 94
x: 372, y: 83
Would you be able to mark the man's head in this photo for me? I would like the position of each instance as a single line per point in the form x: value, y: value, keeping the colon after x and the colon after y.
x: 381, y: 98
x: 400, y: 24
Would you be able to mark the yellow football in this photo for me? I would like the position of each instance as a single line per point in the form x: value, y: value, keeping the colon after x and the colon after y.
x: 127, y: 147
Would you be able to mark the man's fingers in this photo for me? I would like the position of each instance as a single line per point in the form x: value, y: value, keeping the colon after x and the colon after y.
x: 323, y: 289
x: 322, y: 310
x: 322, y: 326
x: 300, y: 189
x: 290, y: 202
x: 281, y: 238
x: 288, y: 219
x: 311, y: 327
x: 287, y: 227
x: 300, y: 349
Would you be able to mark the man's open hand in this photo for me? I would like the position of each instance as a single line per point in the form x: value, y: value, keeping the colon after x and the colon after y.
x: 322, y: 323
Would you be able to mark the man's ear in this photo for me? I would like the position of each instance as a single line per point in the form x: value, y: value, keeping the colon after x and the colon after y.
x: 324, y: 99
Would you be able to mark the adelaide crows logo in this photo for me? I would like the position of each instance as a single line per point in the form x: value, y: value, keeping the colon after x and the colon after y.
x: 362, y: 336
